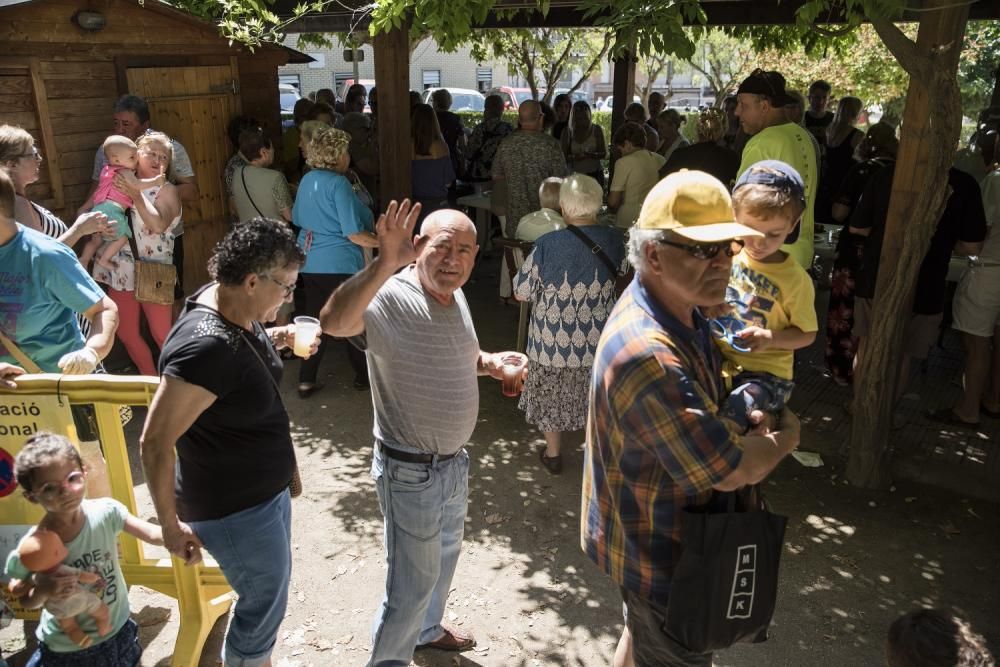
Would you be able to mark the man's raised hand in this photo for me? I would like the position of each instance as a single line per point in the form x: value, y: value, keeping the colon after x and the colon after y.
x: 395, y: 234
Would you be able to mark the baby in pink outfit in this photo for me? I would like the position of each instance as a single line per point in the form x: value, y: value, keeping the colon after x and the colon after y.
x: 121, y: 154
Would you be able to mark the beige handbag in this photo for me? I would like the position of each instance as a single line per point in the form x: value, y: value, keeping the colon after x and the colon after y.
x: 154, y: 282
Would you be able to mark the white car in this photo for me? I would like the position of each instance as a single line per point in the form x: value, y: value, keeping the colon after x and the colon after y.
x: 462, y: 99
x: 609, y: 101
x: 288, y: 96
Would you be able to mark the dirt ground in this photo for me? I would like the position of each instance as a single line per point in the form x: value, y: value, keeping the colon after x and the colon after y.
x: 853, y: 560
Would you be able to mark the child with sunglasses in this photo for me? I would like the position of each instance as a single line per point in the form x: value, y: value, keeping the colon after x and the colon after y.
x: 51, y: 474
x: 770, y: 310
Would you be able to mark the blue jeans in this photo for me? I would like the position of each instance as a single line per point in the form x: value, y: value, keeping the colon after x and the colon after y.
x: 756, y: 391
x: 254, y: 549
x: 424, y: 506
x: 122, y: 650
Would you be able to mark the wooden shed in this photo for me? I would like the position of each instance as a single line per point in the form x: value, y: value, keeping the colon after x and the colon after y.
x: 60, y: 81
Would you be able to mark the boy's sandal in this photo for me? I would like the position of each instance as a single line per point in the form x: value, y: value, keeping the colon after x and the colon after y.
x: 948, y: 417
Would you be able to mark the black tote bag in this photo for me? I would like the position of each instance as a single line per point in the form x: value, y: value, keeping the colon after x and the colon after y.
x: 725, y: 585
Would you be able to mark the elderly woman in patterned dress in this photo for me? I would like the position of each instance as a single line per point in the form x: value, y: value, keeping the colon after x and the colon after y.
x: 572, y: 289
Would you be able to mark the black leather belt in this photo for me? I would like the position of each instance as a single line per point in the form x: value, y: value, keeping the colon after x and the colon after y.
x: 411, y: 457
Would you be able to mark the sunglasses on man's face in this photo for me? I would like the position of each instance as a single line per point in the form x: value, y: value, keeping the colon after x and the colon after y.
x: 708, y: 250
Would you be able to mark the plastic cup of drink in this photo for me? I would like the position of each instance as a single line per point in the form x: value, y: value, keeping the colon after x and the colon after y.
x: 306, y: 331
x: 513, y: 372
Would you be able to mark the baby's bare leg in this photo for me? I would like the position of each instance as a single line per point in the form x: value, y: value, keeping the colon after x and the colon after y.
x: 107, y: 259
x: 89, y: 249
x: 101, y: 616
x: 73, y: 631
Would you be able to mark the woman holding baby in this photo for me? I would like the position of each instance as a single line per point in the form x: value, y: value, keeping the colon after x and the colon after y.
x: 155, y: 213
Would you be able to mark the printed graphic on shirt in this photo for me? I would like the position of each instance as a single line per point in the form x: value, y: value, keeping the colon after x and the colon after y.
x: 746, y: 300
x: 102, y: 563
x: 12, y: 287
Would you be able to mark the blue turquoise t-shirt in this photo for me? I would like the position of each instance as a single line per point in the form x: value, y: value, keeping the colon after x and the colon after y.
x: 42, y: 287
x: 95, y: 550
x: 328, y: 211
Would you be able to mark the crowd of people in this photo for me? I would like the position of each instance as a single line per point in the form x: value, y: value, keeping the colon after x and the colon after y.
x: 667, y: 302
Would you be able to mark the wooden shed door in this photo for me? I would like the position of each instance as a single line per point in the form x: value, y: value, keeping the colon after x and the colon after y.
x: 194, y: 106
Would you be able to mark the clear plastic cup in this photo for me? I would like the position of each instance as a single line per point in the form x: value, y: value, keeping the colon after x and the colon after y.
x: 513, y: 373
x: 306, y: 331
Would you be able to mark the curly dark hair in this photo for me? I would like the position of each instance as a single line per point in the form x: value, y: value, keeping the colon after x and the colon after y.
x: 255, y: 246
x: 40, y: 450
x: 935, y: 638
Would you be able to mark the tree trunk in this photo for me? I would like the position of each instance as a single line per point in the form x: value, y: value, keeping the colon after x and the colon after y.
x: 931, y: 125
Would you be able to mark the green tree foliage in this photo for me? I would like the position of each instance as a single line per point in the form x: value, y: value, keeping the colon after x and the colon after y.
x: 980, y: 59
x: 544, y: 56
x: 723, y: 59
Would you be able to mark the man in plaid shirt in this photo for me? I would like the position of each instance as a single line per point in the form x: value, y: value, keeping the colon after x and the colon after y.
x: 655, y: 441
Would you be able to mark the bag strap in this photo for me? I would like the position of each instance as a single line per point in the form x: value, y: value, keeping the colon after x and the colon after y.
x: 131, y: 240
x: 24, y: 360
x: 243, y: 177
x: 594, y: 248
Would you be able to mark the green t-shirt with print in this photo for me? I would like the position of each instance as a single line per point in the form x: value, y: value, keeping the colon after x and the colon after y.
x: 94, y: 549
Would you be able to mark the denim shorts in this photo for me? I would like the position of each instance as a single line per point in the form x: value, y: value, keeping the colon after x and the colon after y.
x: 122, y: 650
x: 254, y: 549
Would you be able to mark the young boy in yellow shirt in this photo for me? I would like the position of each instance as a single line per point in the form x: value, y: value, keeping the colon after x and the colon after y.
x: 770, y: 298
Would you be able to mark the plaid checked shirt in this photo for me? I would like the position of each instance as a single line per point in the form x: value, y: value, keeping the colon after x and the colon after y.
x: 655, y: 444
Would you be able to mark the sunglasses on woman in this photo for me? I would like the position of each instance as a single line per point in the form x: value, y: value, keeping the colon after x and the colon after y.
x: 708, y: 250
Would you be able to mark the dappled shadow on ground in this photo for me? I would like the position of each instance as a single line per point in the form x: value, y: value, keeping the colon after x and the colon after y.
x: 853, y: 561
x: 963, y: 459
x: 856, y: 560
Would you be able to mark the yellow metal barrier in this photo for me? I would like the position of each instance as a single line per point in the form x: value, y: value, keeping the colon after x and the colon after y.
x: 202, y: 593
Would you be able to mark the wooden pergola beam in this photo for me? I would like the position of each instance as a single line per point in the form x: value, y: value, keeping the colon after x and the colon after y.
x: 392, y: 72
x: 623, y: 87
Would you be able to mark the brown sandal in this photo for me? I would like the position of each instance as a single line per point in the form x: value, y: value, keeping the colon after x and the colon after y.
x: 453, y: 640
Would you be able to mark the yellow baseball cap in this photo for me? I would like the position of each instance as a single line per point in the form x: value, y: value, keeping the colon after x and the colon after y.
x: 693, y: 204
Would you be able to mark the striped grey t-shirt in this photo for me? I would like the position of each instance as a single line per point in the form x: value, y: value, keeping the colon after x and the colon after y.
x: 422, y: 360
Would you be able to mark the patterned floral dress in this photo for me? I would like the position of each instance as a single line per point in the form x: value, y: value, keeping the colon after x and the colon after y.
x: 572, y: 291
x: 841, y: 344
x: 152, y: 247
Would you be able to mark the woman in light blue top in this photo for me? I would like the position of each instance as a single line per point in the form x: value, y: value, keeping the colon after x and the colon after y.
x: 335, y: 226
x: 571, y: 285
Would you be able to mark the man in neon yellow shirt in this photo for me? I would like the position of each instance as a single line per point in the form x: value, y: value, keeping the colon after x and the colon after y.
x: 760, y: 106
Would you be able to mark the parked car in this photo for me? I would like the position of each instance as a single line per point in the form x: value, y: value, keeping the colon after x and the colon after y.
x: 609, y: 101
x: 513, y: 97
x: 462, y: 99
x: 288, y: 95
x: 575, y: 96
x: 347, y: 83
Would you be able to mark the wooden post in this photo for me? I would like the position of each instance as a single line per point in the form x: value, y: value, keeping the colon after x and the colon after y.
x: 392, y: 77
x: 918, y: 197
x: 623, y: 87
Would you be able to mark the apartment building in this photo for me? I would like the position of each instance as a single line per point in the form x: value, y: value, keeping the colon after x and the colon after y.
x: 429, y: 68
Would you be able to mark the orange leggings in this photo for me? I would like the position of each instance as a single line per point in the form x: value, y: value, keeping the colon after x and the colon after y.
x: 130, y: 313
